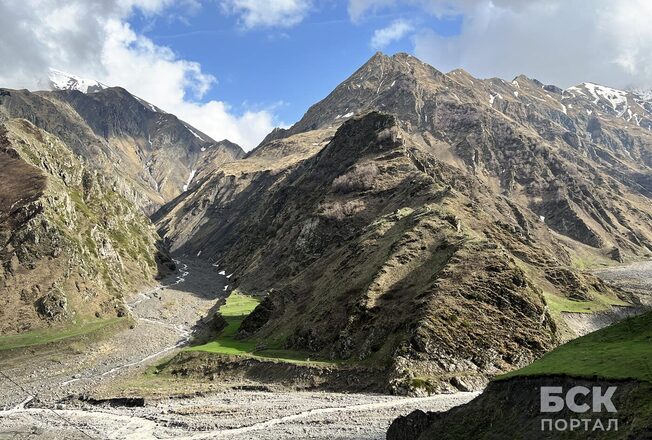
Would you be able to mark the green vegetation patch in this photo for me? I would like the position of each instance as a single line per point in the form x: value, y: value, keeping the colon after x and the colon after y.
x: 49, y: 335
x: 234, y: 311
x: 601, y: 302
x: 621, y: 351
x: 423, y: 383
x: 238, y: 306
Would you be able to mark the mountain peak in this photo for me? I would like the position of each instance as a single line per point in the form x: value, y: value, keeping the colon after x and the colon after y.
x: 375, y: 62
x: 526, y: 80
x: 380, y: 59
x: 384, y: 83
x: 60, y: 80
x: 402, y: 56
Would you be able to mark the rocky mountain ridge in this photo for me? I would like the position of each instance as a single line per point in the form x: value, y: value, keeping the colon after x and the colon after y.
x: 360, y: 223
x: 587, y: 124
x: 154, y: 152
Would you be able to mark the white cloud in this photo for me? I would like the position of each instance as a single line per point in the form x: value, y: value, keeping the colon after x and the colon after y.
x: 358, y: 8
x: 246, y: 130
x: 396, y: 31
x: 268, y: 13
x: 92, y: 39
x: 563, y: 42
x: 153, y: 73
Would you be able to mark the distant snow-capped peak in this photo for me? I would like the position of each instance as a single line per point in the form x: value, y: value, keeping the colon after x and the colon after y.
x: 65, y: 81
x: 644, y: 94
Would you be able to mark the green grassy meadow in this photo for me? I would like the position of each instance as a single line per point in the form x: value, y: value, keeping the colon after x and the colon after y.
x: 234, y: 310
x: 620, y: 351
x: 601, y: 302
x: 56, y: 334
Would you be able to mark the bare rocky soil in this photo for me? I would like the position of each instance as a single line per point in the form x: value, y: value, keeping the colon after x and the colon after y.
x: 635, y: 278
x: 584, y: 323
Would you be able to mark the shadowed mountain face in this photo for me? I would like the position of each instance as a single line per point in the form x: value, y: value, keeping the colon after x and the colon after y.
x: 424, y: 222
x: 156, y: 154
x: 510, y: 407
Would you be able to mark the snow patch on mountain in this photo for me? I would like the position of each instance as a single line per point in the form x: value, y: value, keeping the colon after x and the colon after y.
x: 195, y: 134
x: 617, y: 98
x: 192, y: 176
x: 622, y: 103
x: 643, y: 95
x: 644, y: 99
x: 65, y: 81
x: 493, y: 97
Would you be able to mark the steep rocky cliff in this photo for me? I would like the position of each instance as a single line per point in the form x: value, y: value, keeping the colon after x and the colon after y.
x: 70, y: 244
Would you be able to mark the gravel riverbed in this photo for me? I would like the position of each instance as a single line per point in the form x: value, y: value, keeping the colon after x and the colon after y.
x: 163, y: 317
x: 635, y: 278
x: 36, y: 394
x: 231, y: 414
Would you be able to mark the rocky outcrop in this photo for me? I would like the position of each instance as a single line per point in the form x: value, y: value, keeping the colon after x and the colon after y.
x: 511, y: 409
x: 70, y: 243
x: 53, y: 306
x: 261, y: 315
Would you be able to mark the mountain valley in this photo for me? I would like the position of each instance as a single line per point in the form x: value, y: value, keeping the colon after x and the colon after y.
x: 415, y: 233
x: 408, y: 178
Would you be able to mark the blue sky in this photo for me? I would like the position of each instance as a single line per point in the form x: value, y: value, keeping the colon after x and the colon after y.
x: 287, y: 69
x: 235, y: 69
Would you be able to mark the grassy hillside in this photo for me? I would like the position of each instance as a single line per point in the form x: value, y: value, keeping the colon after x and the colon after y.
x: 621, y: 351
x: 71, y: 246
x: 619, y: 356
x: 559, y: 304
x: 56, y: 334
